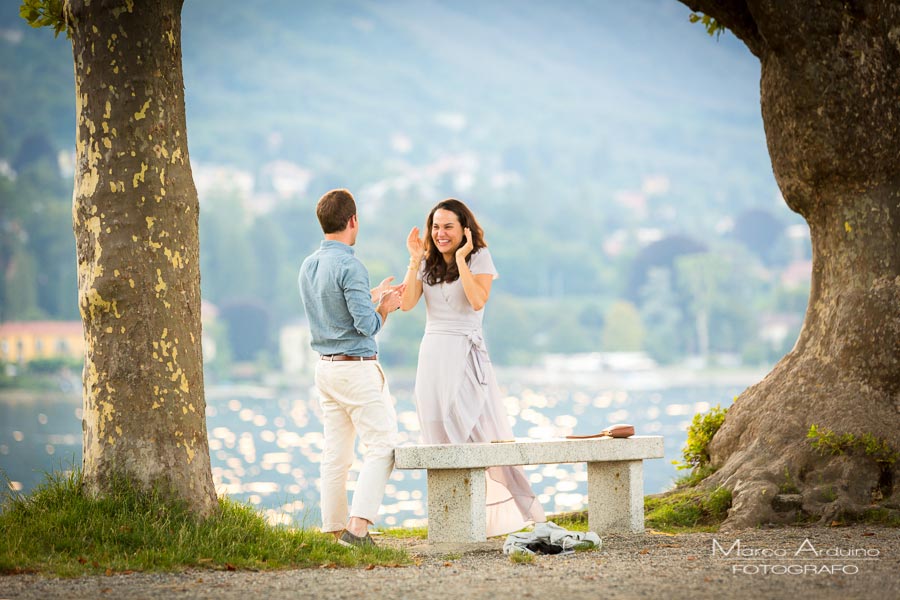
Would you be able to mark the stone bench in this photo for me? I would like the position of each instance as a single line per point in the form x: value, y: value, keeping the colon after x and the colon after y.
x: 456, y: 480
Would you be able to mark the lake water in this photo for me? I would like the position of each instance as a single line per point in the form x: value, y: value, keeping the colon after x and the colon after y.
x: 265, y: 443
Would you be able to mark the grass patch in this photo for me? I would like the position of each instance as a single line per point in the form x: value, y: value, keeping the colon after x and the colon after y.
x: 59, y: 530
x: 405, y: 532
x: 688, y: 511
x: 521, y: 558
x: 880, y: 516
x: 691, y: 510
x: 573, y: 521
x: 696, y: 475
x: 788, y: 486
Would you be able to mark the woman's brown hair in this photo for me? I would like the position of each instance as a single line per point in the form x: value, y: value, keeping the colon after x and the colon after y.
x: 436, y: 268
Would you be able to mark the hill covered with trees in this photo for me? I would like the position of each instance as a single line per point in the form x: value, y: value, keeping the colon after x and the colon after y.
x: 613, y: 152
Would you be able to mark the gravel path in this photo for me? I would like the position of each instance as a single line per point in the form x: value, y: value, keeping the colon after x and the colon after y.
x: 661, y: 566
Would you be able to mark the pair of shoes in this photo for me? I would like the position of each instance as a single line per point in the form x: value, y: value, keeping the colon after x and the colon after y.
x: 354, y: 541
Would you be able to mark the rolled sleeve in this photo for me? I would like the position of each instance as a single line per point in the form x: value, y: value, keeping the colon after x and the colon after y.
x: 366, y: 319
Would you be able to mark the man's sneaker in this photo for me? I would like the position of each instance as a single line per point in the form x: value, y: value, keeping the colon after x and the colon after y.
x: 351, y: 541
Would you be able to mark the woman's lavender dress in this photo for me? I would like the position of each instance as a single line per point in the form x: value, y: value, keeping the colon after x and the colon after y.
x: 458, y: 399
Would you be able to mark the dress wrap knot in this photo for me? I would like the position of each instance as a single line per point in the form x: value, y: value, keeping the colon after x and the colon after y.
x: 477, y: 349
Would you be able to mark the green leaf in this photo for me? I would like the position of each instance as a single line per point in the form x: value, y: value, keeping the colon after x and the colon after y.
x: 44, y: 13
x: 712, y: 26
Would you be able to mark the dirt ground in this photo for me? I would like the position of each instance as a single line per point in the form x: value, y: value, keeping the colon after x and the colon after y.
x: 792, y: 562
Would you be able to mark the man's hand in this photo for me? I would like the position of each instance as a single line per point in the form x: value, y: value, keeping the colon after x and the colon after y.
x: 389, y: 302
x: 385, y: 286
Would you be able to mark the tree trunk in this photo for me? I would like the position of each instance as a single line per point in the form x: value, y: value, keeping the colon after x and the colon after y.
x: 829, y: 96
x: 136, y: 231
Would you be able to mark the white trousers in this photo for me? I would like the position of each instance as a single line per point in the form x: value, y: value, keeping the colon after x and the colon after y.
x: 355, y: 400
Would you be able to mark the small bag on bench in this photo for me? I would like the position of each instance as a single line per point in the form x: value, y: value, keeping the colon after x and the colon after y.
x: 619, y: 430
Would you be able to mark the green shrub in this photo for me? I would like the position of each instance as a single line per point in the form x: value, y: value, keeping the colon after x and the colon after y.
x: 50, y: 366
x: 700, y: 434
x: 827, y: 441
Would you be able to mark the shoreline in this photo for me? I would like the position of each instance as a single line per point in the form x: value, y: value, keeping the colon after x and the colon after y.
x: 404, y: 377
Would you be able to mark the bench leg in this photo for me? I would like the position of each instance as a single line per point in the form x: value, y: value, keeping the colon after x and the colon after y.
x: 456, y: 505
x: 616, y: 496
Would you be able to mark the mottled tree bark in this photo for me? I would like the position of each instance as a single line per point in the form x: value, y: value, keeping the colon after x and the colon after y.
x: 830, y: 96
x: 136, y: 230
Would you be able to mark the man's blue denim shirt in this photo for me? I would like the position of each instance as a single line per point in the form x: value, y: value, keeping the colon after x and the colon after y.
x: 334, y: 288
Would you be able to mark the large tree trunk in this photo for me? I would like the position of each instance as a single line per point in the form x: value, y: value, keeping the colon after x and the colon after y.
x: 830, y: 95
x: 136, y: 231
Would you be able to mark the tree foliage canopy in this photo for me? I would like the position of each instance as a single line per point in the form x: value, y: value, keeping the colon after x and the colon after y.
x: 45, y: 13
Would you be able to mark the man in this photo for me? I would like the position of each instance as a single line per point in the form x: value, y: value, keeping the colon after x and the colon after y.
x: 344, y: 316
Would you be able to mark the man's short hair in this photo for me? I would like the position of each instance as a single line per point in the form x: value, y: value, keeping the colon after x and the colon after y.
x: 334, y: 210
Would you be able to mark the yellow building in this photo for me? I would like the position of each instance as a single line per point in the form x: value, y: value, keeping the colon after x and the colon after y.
x: 23, y: 341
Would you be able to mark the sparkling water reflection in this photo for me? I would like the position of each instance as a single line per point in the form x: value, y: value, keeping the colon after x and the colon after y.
x: 265, y: 444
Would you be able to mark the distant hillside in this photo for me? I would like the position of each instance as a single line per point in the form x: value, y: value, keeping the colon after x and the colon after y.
x: 601, y: 92
x: 599, y: 143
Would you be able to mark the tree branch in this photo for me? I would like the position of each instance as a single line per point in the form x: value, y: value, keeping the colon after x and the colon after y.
x: 735, y: 16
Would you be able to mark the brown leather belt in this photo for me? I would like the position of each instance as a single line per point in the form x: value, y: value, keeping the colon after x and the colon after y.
x: 339, y: 357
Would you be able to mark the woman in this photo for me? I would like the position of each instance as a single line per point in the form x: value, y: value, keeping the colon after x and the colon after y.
x: 457, y: 395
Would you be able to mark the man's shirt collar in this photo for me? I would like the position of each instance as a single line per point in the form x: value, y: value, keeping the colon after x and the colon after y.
x: 336, y: 245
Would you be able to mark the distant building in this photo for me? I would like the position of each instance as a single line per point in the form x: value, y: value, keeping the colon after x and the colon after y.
x: 24, y: 341
x: 209, y: 315
x: 598, y: 361
x: 287, y: 179
x: 296, y: 355
x: 775, y: 327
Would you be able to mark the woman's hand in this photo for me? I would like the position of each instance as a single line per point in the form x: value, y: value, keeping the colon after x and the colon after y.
x: 412, y: 289
x: 415, y: 245
x: 463, y: 251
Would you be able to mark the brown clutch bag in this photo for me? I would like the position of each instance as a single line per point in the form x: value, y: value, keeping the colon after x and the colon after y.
x: 619, y: 430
